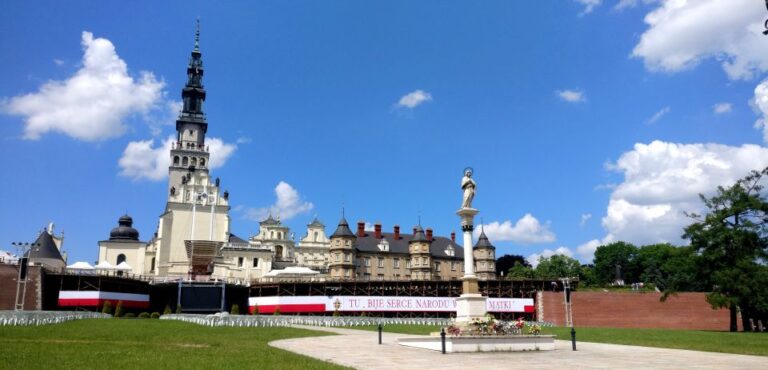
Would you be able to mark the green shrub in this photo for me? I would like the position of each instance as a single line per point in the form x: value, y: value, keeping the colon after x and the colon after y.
x: 277, y: 311
x: 107, y: 308
x: 178, y: 309
x: 129, y: 315
x: 119, y: 309
x: 155, y: 315
x: 336, y: 313
x: 167, y: 310
x: 144, y: 315
x: 235, y: 310
x: 255, y: 310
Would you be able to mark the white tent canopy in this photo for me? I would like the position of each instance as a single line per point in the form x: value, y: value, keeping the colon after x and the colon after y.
x: 80, y: 265
x: 123, y: 266
x: 292, y: 270
x: 104, y: 265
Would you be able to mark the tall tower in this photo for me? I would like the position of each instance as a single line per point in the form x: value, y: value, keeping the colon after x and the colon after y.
x: 195, y: 223
x: 189, y: 153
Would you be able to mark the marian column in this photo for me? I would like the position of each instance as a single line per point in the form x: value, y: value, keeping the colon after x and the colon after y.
x: 471, y: 304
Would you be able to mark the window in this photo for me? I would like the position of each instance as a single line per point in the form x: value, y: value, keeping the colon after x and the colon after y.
x: 381, y: 262
x: 176, y: 160
x: 380, y: 277
x: 348, y: 257
x: 202, y: 162
x: 367, y: 262
x: 278, y: 251
x: 437, y: 266
x: 255, y: 262
x: 152, y: 266
x: 453, y: 265
x: 407, y: 264
x: 338, y: 257
x: 346, y: 273
x: 239, y: 261
x: 315, y: 237
x: 120, y: 258
x: 483, y: 265
x: 397, y: 263
x: 194, y: 161
x: 184, y: 161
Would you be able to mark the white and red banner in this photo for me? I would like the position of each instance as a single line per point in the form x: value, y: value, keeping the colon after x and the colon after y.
x: 309, y: 304
x: 95, y: 298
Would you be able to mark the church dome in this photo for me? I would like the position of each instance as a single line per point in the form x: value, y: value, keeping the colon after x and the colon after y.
x: 124, y: 230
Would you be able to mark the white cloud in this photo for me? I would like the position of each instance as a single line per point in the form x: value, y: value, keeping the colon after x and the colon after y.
x: 721, y: 108
x: 572, y: 96
x: 243, y: 140
x: 657, y: 116
x: 534, y: 258
x: 58, y: 62
x: 626, y: 4
x: 288, y: 205
x: 760, y: 104
x: 527, y: 230
x: 414, y: 99
x: 663, y: 180
x: 584, y: 219
x: 589, y: 6
x: 92, y: 104
x: 683, y: 33
x: 142, y: 160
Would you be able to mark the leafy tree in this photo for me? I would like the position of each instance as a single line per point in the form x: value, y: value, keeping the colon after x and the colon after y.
x: 587, y: 276
x: 668, y: 267
x: 557, y: 266
x: 520, y: 271
x: 731, y: 241
x: 235, y: 309
x: 607, y: 257
x: 508, y: 261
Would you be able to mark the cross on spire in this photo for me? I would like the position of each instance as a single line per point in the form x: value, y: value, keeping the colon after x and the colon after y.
x: 197, y: 36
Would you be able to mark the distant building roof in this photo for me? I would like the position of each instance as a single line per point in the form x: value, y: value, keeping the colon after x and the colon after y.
x: 342, y: 229
x: 483, y: 242
x: 44, y: 247
x: 437, y: 248
x: 316, y: 223
x: 234, y: 239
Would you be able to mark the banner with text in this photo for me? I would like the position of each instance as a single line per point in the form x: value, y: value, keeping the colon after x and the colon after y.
x: 288, y: 304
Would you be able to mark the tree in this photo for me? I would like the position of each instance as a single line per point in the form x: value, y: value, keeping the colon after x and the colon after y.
x: 557, y: 266
x: 520, y: 271
x: 607, y: 257
x: 669, y: 268
x: 508, y: 261
x: 107, y: 308
x: 587, y: 276
x: 119, y: 309
x: 235, y: 309
x: 731, y: 241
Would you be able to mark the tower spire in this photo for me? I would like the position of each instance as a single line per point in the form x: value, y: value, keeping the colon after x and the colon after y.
x: 197, y: 36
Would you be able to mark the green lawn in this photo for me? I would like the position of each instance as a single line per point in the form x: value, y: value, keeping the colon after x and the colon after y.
x: 697, y: 340
x: 710, y: 341
x: 149, y: 344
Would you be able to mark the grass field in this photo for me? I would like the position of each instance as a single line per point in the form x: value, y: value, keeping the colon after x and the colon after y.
x: 710, y: 341
x: 149, y: 344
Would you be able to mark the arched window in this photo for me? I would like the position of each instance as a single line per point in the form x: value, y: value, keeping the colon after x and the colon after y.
x: 280, y: 235
x: 176, y: 160
x: 152, y: 268
x: 185, y: 161
x: 278, y: 251
x: 120, y: 258
x: 194, y: 161
x: 315, y: 239
x: 202, y: 162
x: 271, y: 234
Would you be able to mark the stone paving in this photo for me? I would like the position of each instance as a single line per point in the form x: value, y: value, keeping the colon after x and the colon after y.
x: 359, y: 349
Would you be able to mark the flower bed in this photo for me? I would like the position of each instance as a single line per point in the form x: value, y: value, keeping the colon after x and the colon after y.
x: 488, y: 326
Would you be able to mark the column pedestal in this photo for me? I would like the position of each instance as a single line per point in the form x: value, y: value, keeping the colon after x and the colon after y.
x: 471, y: 304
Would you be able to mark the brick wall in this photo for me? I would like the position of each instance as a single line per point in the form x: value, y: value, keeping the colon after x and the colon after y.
x: 635, y: 310
x: 8, y: 276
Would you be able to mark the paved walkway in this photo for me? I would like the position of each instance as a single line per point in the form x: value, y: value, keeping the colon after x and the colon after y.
x: 359, y: 349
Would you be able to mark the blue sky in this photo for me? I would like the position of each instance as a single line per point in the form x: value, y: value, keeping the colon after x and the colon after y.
x: 586, y: 121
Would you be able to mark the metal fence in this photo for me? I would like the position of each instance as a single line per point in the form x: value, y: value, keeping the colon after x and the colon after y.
x: 36, y: 318
x: 224, y: 319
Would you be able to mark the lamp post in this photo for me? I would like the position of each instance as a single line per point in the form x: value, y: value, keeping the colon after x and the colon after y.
x: 569, y: 309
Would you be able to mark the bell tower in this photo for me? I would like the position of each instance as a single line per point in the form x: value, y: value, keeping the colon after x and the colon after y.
x: 189, y: 154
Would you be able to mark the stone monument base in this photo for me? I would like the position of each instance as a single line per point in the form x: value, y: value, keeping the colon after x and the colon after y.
x: 468, y: 307
x: 485, y: 343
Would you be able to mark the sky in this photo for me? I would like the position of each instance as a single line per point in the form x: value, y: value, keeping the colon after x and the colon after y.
x: 586, y: 121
